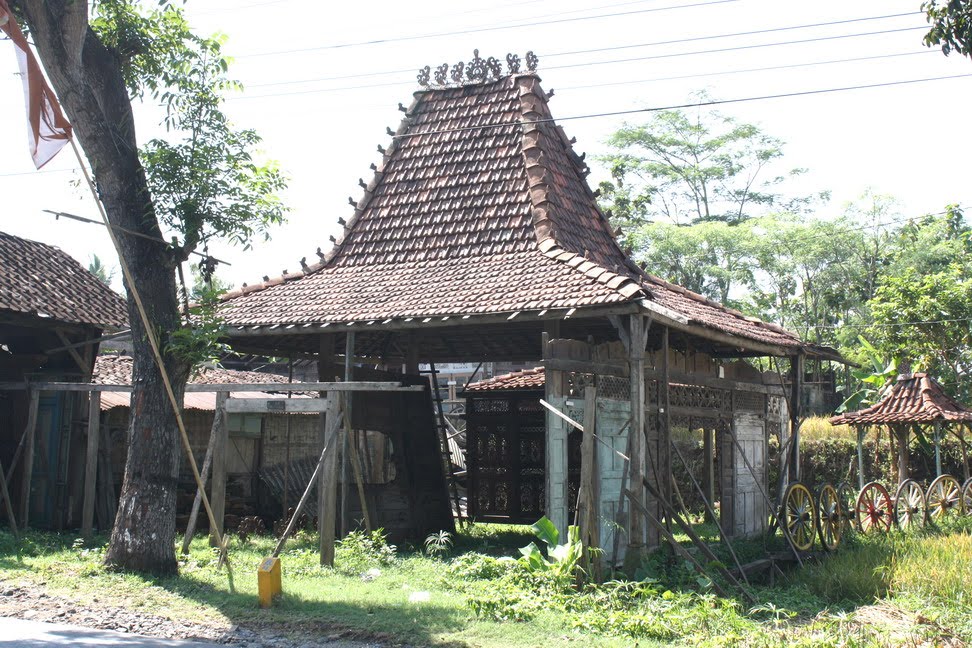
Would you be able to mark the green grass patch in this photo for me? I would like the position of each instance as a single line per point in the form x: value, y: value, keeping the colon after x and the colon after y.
x: 471, y: 594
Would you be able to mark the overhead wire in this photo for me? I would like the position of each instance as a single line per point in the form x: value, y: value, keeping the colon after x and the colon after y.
x: 477, y: 30
x: 603, y: 49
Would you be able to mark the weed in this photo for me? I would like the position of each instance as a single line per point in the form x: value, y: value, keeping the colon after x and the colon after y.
x: 439, y: 543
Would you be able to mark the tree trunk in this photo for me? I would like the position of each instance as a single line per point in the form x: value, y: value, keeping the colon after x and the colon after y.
x: 87, y: 78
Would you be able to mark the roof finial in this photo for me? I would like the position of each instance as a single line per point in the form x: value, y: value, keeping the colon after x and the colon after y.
x: 477, y: 70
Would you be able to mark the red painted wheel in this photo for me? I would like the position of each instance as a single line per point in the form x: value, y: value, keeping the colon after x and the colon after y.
x: 873, y: 511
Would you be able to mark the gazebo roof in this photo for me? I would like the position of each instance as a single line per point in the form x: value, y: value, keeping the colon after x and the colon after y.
x: 478, y: 213
x: 912, y: 398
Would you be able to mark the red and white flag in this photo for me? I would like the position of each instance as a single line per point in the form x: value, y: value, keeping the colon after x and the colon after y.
x: 48, y: 130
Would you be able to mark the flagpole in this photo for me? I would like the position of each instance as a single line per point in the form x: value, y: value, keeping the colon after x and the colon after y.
x: 222, y: 542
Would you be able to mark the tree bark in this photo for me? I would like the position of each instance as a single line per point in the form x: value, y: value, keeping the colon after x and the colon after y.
x: 87, y: 78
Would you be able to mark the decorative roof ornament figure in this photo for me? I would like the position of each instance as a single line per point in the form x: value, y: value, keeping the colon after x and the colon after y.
x: 477, y: 70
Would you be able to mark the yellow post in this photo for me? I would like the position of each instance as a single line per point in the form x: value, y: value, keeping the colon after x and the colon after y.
x: 268, y: 581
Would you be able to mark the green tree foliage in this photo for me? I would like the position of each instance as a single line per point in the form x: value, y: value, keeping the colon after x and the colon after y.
x: 684, y: 169
x: 98, y: 268
x: 951, y: 25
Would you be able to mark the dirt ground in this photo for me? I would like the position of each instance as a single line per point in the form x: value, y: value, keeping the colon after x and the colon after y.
x: 23, y: 600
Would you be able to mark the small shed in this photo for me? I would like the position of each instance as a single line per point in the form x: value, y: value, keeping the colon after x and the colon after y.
x: 911, y: 401
x: 272, y: 454
x: 53, y: 314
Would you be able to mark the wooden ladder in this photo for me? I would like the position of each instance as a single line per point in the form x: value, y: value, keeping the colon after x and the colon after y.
x: 452, y: 485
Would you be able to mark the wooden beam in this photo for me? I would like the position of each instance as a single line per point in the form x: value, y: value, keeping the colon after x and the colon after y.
x: 34, y: 403
x: 219, y: 468
x: 276, y: 405
x: 555, y: 459
x: 363, y: 385
x: 8, y: 504
x: 708, y: 469
x: 91, y: 464
x: 78, y: 360
x: 796, y: 413
x: 588, y: 496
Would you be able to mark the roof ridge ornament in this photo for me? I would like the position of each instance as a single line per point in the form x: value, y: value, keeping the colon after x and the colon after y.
x: 477, y: 70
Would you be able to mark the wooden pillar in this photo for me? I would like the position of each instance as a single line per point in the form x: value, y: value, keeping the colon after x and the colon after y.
x: 555, y: 460
x: 588, y: 509
x: 664, y: 478
x: 220, y: 448
x: 31, y: 433
x: 636, y: 468
x: 903, y: 459
x: 91, y: 464
x: 796, y: 412
x: 327, y: 487
x: 347, y: 398
x: 327, y: 475
x: 708, y: 467
x: 938, y: 448
x: 861, y: 431
x: 412, y: 354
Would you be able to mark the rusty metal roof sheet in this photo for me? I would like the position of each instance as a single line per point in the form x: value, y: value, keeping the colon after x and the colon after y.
x: 44, y: 281
x: 912, y: 398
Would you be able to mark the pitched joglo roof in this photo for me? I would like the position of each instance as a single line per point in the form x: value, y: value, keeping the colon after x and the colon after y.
x: 912, y: 398
x: 117, y: 370
x: 40, y: 280
x: 478, y: 208
x: 527, y: 379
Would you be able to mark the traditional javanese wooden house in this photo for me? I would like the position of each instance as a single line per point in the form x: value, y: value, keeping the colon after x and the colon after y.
x: 478, y: 238
x: 53, y: 313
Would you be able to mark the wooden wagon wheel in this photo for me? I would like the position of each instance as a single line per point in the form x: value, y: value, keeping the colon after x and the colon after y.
x: 848, y: 502
x: 967, y: 496
x: 944, y: 498
x: 799, y: 516
x: 909, y: 505
x: 830, y: 517
x: 873, y: 510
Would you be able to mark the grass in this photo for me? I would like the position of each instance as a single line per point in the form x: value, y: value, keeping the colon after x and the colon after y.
x: 873, y: 591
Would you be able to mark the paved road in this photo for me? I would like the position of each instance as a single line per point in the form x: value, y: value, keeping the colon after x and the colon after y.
x: 19, y: 633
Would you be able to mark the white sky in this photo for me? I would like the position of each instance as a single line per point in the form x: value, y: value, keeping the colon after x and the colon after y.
x: 910, y: 141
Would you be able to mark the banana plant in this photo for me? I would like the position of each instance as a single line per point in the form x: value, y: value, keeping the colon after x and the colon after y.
x: 870, y: 380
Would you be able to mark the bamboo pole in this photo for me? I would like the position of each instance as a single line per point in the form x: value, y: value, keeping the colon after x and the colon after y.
x: 91, y: 464
x: 150, y: 334
x: 207, y: 465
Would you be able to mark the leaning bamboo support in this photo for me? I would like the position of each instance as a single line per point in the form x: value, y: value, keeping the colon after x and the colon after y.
x: 330, y: 436
x: 356, y: 468
x: 8, y: 505
x: 676, y: 546
x: 207, y: 464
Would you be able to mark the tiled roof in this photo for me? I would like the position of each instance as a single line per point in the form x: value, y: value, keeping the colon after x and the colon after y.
x: 912, y: 398
x: 525, y: 379
x: 479, y: 206
x: 39, y: 279
x: 117, y: 370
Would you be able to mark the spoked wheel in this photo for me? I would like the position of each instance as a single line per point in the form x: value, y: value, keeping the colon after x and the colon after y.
x: 830, y: 517
x: 799, y: 516
x: 967, y: 496
x: 873, y: 510
x: 909, y: 505
x: 944, y: 499
x: 848, y: 502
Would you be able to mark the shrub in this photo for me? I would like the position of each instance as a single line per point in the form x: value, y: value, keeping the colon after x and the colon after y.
x: 359, y: 551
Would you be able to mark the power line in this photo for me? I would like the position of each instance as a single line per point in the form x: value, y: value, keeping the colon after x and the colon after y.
x: 590, y: 63
x: 714, y: 102
x: 477, y: 30
x: 770, y: 68
x: 892, y: 324
x: 603, y: 49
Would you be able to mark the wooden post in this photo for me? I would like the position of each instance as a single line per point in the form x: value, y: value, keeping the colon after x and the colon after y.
x: 7, y: 504
x: 555, y: 461
x: 412, y: 354
x: 861, y: 431
x: 903, y: 459
x: 325, y: 475
x: 219, y: 467
x: 636, y: 470
x: 665, y: 425
x: 346, y: 430
x: 327, y: 487
x: 938, y: 448
x: 34, y: 404
x: 204, y: 476
x: 91, y: 464
x: 708, y: 451
x: 588, y: 496
x: 796, y: 412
